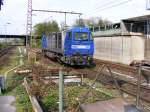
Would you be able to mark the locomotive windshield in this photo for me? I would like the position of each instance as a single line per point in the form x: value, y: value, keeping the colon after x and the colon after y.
x: 81, y: 36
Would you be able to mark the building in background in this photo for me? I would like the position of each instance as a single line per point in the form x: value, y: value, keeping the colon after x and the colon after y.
x: 148, y: 5
x: 123, y: 42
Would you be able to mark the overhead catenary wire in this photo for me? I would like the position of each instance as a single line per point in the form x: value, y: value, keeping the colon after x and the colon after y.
x: 111, y: 6
x: 64, y: 12
x: 114, y: 5
x: 108, y: 3
x: 102, y: 5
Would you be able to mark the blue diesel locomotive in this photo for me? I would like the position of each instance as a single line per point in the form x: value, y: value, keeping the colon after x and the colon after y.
x: 74, y: 46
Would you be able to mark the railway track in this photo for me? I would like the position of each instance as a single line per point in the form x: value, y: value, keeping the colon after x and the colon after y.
x: 126, y: 77
x: 125, y: 86
x: 5, y: 50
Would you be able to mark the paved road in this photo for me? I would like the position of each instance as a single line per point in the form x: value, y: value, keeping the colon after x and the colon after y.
x: 6, y: 104
x: 113, y: 105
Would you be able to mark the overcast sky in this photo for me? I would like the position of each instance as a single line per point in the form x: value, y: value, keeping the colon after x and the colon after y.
x: 14, y: 11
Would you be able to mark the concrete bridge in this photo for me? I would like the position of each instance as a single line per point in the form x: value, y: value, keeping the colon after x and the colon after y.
x: 20, y: 37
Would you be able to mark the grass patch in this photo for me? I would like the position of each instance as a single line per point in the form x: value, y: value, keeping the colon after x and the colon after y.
x: 14, y: 82
x: 48, y: 96
x: 12, y: 62
x: 74, y: 92
x: 15, y: 88
x: 50, y: 103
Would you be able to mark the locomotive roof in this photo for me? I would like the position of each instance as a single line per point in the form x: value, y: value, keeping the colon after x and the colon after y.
x: 79, y: 29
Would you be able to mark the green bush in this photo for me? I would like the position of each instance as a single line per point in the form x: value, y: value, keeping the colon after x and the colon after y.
x: 50, y: 103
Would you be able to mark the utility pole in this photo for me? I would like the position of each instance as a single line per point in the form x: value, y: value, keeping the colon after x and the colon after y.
x: 29, y: 19
x: 29, y: 23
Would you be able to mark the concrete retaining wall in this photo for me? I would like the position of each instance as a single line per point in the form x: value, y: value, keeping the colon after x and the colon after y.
x: 120, y: 49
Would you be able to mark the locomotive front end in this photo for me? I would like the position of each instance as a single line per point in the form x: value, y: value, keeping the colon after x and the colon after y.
x: 81, y: 48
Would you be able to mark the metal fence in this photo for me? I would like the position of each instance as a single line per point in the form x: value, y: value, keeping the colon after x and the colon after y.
x: 124, y: 28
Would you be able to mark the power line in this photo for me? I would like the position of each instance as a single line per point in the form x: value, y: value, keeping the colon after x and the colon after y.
x: 29, y: 18
x: 103, y: 5
x: 112, y: 6
x: 64, y: 12
x: 115, y: 5
x: 108, y: 3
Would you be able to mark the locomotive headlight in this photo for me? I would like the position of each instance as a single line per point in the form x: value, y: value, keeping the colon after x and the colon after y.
x: 80, y: 46
x: 80, y: 29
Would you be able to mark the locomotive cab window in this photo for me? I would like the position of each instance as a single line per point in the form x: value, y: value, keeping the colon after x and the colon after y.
x: 69, y: 35
x: 81, y: 36
x: 91, y: 36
